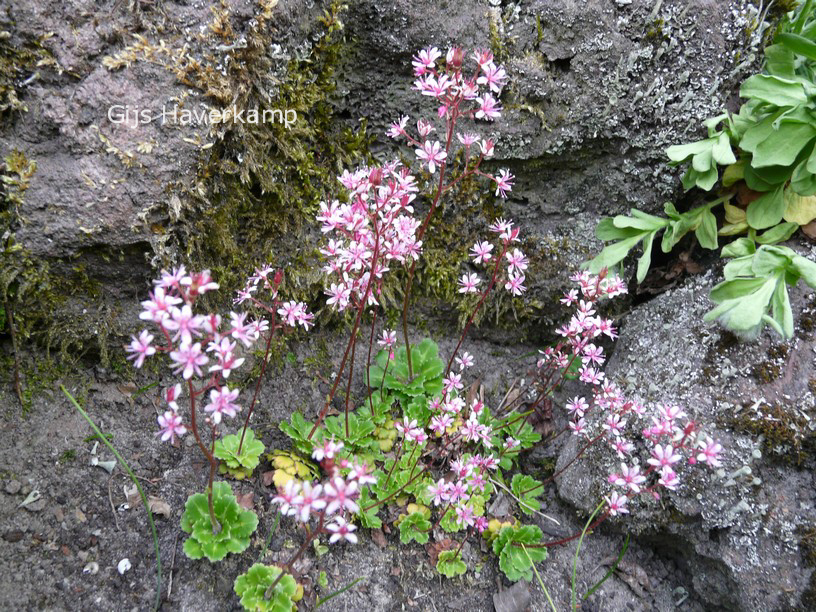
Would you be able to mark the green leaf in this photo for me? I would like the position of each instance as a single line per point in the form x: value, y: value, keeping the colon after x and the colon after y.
x: 798, y: 44
x: 526, y: 489
x: 743, y: 313
x: 614, y: 253
x: 645, y: 259
x: 237, y: 525
x: 766, y: 210
x: 734, y: 173
x: 803, y: 179
x: 513, y: 561
x: 781, y: 310
x: 739, y: 248
x: 774, y: 90
x: 414, y: 527
x: 450, y: 564
x: 226, y: 449
x: 782, y: 146
x: 607, y: 231
x: 778, y: 233
x: 298, y: 430
x: 805, y: 268
x: 706, y: 232
x: 721, y: 151
x: 681, y: 153
x: 251, y: 587
x: 779, y: 61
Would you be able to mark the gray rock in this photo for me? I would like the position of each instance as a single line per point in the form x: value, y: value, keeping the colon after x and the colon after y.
x: 737, y: 530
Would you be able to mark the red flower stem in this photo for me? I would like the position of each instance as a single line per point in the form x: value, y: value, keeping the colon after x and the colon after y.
x: 216, y: 526
x: 462, y: 543
x: 395, y: 493
x: 272, y: 329
x: 396, y: 460
x: 478, y: 306
x: 368, y: 365
x: 409, y: 283
x: 288, y: 566
x: 571, y: 461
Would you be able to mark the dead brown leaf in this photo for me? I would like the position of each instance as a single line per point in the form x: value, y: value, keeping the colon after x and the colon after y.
x: 159, y: 506
x: 247, y: 500
x: 810, y: 230
x: 268, y: 478
x: 434, y: 548
x: 379, y: 538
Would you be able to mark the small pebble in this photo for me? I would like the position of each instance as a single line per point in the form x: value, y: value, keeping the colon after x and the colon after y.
x: 13, y: 487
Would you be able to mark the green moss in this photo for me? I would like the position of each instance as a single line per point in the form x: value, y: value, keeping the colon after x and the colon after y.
x: 262, y: 183
x: 785, y: 432
x: 18, y: 63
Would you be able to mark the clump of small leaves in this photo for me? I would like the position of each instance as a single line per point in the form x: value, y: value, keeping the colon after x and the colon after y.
x: 768, y: 185
x: 450, y: 564
x: 289, y: 465
x: 513, y: 561
x: 235, y: 525
x: 237, y: 459
x: 253, y: 587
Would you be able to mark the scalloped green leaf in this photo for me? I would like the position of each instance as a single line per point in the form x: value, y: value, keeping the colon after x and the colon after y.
x: 414, y: 527
x: 237, y: 525
x: 526, y: 489
x: 251, y: 587
x: 513, y: 561
x: 450, y: 564
x: 226, y: 449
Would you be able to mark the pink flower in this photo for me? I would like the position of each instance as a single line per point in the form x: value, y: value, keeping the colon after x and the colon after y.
x: 465, y: 361
x: 397, y: 128
x: 327, y: 451
x: 388, y: 338
x: 663, y: 456
x: 199, y: 283
x: 171, y: 397
x: 668, y: 478
x: 467, y: 139
x: 140, y: 348
x: 340, y: 495
x: 593, y: 353
x: 577, y: 406
x: 487, y: 148
x: 189, y: 359
x: 440, y: 423
x: 483, y: 57
x: 515, y: 284
x: 185, y: 323
x: 294, y: 313
x: 424, y: 127
x: 481, y: 252
x: 424, y: 60
x: 517, y: 261
x: 453, y: 382
x: 439, y: 492
x: 464, y: 516
x: 469, y: 283
x: 339, y: 296
x: 629, y: 477
x: 457, y: 491
x: 309, y: 500
x: 570, y: 298
x: 287, y: 498
x: 504, y: 183
x: 171, y: 426
x: 710, y: 452
x: 431, y: 154
x: 341, y: 529
x: 493, y: 76
x: 616, y: 504
x: 489, y: 108
x: 222, y: 402
x: 227, y: 361
x: 172, y: 279
x: 157, y: 308
x: 578, y: 427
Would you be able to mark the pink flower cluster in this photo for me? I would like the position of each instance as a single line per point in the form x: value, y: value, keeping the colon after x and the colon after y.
x: 669, y: 435
x: 454, y: 89
x: 333, y: 500
x: 195, y: 342
x: 375, y: 228
x: 482, y: 254
x: 470, y: 477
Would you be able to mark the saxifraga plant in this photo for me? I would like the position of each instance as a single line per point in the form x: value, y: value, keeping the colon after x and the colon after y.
x: 452, y: 451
